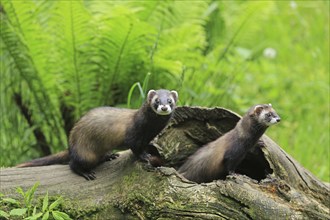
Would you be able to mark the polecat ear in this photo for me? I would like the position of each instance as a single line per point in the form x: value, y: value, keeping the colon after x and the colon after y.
x: 257, y: 109
x: 175, y: 95
x: 151, y: 94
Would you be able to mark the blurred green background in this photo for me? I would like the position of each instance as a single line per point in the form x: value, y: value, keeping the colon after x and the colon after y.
x: 61, y: 58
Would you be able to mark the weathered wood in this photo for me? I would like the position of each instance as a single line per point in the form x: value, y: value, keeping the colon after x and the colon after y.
x: 269, y: 184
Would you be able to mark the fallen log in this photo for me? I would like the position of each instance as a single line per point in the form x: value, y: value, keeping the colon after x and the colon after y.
x: 269, y: 184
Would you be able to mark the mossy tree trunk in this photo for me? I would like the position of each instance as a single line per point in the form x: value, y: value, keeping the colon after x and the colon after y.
x: 269, y: 184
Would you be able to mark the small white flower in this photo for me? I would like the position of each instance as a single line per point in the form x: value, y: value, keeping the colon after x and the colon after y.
x: 293, y: 5
x: 270, y: 53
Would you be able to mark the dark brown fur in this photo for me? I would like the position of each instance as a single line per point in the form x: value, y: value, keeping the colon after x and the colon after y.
x: 104, y: 129
x: 219, y: 158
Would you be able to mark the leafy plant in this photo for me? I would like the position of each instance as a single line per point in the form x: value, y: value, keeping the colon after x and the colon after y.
x: 29, y: 211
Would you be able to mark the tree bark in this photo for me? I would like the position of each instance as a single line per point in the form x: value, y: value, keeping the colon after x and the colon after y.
x: 269, y: 184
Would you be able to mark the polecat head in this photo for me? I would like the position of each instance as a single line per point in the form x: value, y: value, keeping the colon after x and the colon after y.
x: 162, y: 101
x: 264, y: 114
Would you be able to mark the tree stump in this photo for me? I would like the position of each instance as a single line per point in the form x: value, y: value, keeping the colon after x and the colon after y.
x: 268, y: 184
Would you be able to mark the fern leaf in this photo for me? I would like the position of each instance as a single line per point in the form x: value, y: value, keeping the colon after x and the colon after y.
x: 16, y: 41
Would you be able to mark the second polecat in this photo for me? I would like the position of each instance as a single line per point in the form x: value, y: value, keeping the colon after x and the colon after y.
x: 217, y: 159
x: 104, y: 129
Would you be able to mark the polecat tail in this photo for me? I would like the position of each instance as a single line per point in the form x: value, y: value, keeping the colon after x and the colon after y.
x: 59, y: 158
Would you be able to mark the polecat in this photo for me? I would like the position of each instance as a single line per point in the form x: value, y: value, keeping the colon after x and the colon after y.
x: 217, y: 159
x: 103, y: 129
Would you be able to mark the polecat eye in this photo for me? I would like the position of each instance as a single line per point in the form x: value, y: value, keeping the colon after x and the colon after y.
x: 269, y: 114
x: 157, y: 101
x: 169, y: 101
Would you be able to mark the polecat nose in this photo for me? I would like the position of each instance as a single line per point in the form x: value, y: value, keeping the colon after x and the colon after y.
x: 164, y: 108
x: 278, y: 119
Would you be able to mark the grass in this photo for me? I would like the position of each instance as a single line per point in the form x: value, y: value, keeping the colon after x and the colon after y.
x: 295, y: 81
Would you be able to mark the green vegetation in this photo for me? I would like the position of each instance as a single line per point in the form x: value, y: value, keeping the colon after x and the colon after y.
x: 61, y: 58
x: 14, y: 209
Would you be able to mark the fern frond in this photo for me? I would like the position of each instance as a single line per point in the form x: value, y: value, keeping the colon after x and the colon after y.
x: 122, y: 43
x: 72, y: 33
x: 17, y: 43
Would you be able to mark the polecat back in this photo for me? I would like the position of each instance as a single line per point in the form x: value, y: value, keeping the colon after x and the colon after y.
x: 217, y: 159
